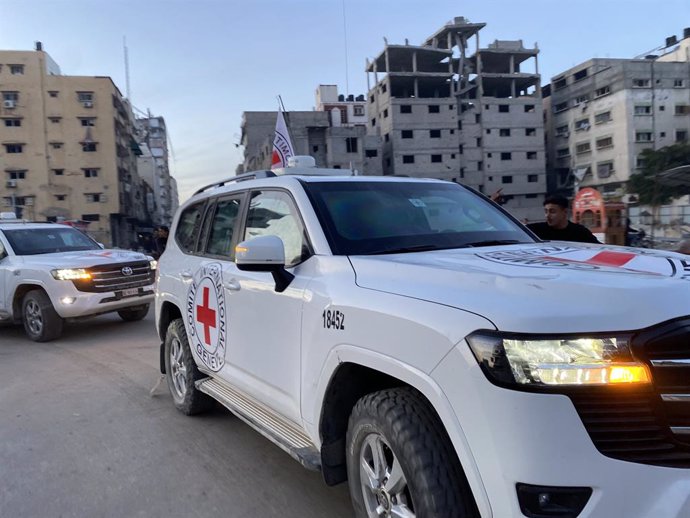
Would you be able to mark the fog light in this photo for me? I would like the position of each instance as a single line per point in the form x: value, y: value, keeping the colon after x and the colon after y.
x: 551, y: 501
x: 68, y: 300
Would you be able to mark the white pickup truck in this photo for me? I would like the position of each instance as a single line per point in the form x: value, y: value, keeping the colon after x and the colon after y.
x: 52, y: 273
x: 412, y: 338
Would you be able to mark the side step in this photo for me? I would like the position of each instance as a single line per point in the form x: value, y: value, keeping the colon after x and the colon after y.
x: 273, y: 426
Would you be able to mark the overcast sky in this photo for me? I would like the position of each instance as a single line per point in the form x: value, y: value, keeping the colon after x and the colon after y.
x: 201, y: 63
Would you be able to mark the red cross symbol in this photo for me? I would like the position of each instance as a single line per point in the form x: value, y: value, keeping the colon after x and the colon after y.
x: 206, y: 316
x: 605, y: 258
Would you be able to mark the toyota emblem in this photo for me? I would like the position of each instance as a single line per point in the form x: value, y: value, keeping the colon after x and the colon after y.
x: 127, y: 271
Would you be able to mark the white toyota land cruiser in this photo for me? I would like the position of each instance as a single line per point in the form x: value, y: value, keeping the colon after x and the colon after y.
x: 52, y: 273
x: 411, y: 337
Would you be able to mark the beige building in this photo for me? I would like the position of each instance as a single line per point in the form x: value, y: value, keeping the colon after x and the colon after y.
x: 67, y: 150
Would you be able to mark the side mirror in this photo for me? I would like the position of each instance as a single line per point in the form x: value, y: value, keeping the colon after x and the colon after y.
x: 264, y: 254
x: 101, y: 245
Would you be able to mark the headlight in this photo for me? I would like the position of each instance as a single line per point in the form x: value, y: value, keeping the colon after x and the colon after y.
x: 153, y: 264
x: 550, y: 362
x: 71, y: 274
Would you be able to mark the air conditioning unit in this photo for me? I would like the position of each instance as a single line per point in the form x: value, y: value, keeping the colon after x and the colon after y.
x: 29, y: 201
x: 88, y: 104
x: 9, y: 103
x: 11, y: 184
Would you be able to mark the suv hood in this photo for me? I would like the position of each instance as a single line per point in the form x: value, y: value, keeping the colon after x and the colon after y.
x: 83, y: 259
x: 552, y: 287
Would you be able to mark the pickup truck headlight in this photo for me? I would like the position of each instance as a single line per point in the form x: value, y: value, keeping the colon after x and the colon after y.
x: 71, y: 274
x: 153, y: 264
x: 534, y: 361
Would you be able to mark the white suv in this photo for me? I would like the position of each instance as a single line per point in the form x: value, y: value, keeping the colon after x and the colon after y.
x: 52, y: 273
x: 411, y: 337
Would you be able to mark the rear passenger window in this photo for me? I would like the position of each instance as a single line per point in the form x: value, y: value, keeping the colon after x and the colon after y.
x: 223, y: 227
x: 188, y: 227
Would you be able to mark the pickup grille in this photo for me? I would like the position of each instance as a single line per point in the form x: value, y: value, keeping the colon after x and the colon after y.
x: 650, y: 425
x: 110, y: 277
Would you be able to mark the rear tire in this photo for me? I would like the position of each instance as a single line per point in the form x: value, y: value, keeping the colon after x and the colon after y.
x: 400, y: 461
x: 41, y: 321
x: 181, y: 372
x: 134, y: 314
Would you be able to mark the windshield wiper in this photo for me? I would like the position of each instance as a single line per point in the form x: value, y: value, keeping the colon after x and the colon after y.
x: 407, y: 249
x: 492, y: 242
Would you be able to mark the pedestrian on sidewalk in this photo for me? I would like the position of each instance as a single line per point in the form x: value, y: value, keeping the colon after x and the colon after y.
x: 557, y: 226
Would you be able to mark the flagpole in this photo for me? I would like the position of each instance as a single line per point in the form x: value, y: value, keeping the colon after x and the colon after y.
x: 287, y: 117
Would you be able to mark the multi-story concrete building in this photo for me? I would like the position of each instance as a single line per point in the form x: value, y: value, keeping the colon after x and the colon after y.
x: 456, y: 111
x: 67, y: 149
x: 603, y: 113
x: 335, y: 135
x: 154, y: 168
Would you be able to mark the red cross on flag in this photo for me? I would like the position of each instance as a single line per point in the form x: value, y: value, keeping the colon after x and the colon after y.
x: 282, y: 147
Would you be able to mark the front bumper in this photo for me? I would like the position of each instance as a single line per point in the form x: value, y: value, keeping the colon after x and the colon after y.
x: 84, y: 304
x: 520, y: 437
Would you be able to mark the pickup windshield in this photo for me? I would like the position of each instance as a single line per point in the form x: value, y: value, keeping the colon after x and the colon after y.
x: 379, y: 217
x: 34, y: 241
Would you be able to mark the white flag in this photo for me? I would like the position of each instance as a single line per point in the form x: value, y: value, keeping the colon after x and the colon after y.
x: 282, y: 147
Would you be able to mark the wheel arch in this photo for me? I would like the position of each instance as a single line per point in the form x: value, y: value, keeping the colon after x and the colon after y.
x: 18, y: 296
x: 168, y: 312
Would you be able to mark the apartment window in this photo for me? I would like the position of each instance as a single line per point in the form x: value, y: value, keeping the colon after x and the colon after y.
x: 85, y: 97
x: 16, y: 174
x: 583, y: 147
x: 640, y: 162
x: 58, y: 172
x: 371, y: 153
x: 559, y: 83
x: 435, y: 133
x: 532, y: 178
x: 504, y: 132
x: 89, y: 147
x: 384, y: 88
x: 479, y: 142
x: 581, y: 99
x: 681, y: 135
x: 371, y: 99
x: 53, y: 93
x: 405, y: 108
x: 529, y: 108
x: 462, y: 172
x: 351, y: 144
x: 87, y: 121
x: 385, y: 113
x: 14, y: 148
x: 452, y: 156
x: 60, y: 197
x: 604, y: 169
x: 488, y: 132
x: 10, y: 99
x: 459, y: 125
x: 582, y: 124
x: 643, y: 109
x: 461, y: 149
x: 408, y: 159
x: 531, y: 155
x: 90, y: 173
x: 507, y: 179
x: 434, y: 108
x: 503, y: 108
x: 13, y: 123
x: 562, y: 131
x: 358, y: 110
x: 662, y: 134
x: 91, y: 217
x: 604, y: 142
x: 480, y: 165
x: 436, y: 159
x: 373, y: 121
x: 643, y: 136
x: 55, y: 120
x: 93, y: 197
x: 560, y: 107
x: 452, y: 132
x: 407, y: 134
x: 601, y: 118
x: 662, y: 108
x: 600, y: 92
x: 531, y: 132
x: 489, y: 155
x: 387, y: 137
x: 641, y: 83
x: 17, y: 70
x: 563, y: 152
x: 56, y: 145
x: 682, y: 109
x: 579, y: 76
x: 506, y: 156
x: 315, y: 149
x: 677, y: 83
x: 477, y: 118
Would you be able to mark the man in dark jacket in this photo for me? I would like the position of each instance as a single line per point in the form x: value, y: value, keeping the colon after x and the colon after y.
x: 557, y: 226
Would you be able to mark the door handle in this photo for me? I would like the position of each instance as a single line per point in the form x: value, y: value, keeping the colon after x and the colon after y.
x: 186, y: 274
x: 232, y: 285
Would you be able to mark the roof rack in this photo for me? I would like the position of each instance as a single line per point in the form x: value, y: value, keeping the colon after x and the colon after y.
x: 238, y: 178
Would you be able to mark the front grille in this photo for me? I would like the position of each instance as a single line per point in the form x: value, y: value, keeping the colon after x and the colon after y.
x: 646, y: 425
x: 110, y: 277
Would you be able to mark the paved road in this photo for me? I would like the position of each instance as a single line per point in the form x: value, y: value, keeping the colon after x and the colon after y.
x: 81, y: 437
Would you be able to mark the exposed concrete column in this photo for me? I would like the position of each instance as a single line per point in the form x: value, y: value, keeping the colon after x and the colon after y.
x: 366, y: 67
x: 388, y: 67
x: 414, y: 61
x: 512, y: 63
x: 512, y: 88
x: 480, y: 85
x: 416, y: 88
x: 536, y: 63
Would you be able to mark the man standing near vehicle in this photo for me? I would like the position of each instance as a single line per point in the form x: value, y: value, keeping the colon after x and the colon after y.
x: 557, y: 226
x: 160, y: 240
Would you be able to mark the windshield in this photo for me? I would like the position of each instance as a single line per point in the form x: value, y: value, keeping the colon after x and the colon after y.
x: 377, y: 217
x: 33, y: 241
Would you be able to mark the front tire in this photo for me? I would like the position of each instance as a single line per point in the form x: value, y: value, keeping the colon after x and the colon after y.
x: 41, y: 321
x: 134, y: 314
x: 181, y: 372
x: 400, y: 461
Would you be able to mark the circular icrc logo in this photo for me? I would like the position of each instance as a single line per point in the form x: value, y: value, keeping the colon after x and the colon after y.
x: 205, y: 320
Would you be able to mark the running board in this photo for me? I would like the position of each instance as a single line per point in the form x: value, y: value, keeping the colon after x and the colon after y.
x: 273, y: 426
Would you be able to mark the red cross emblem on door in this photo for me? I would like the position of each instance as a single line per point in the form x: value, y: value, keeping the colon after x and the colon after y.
x: 206, y: 316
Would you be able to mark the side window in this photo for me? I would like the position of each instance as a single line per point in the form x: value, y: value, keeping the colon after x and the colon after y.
x: 3, y: 253
x: 223, y: 228
x: 188, y: 227
x: 273, y: 213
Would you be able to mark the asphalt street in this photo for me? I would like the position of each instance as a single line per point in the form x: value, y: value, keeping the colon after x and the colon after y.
x: 80, y: 436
